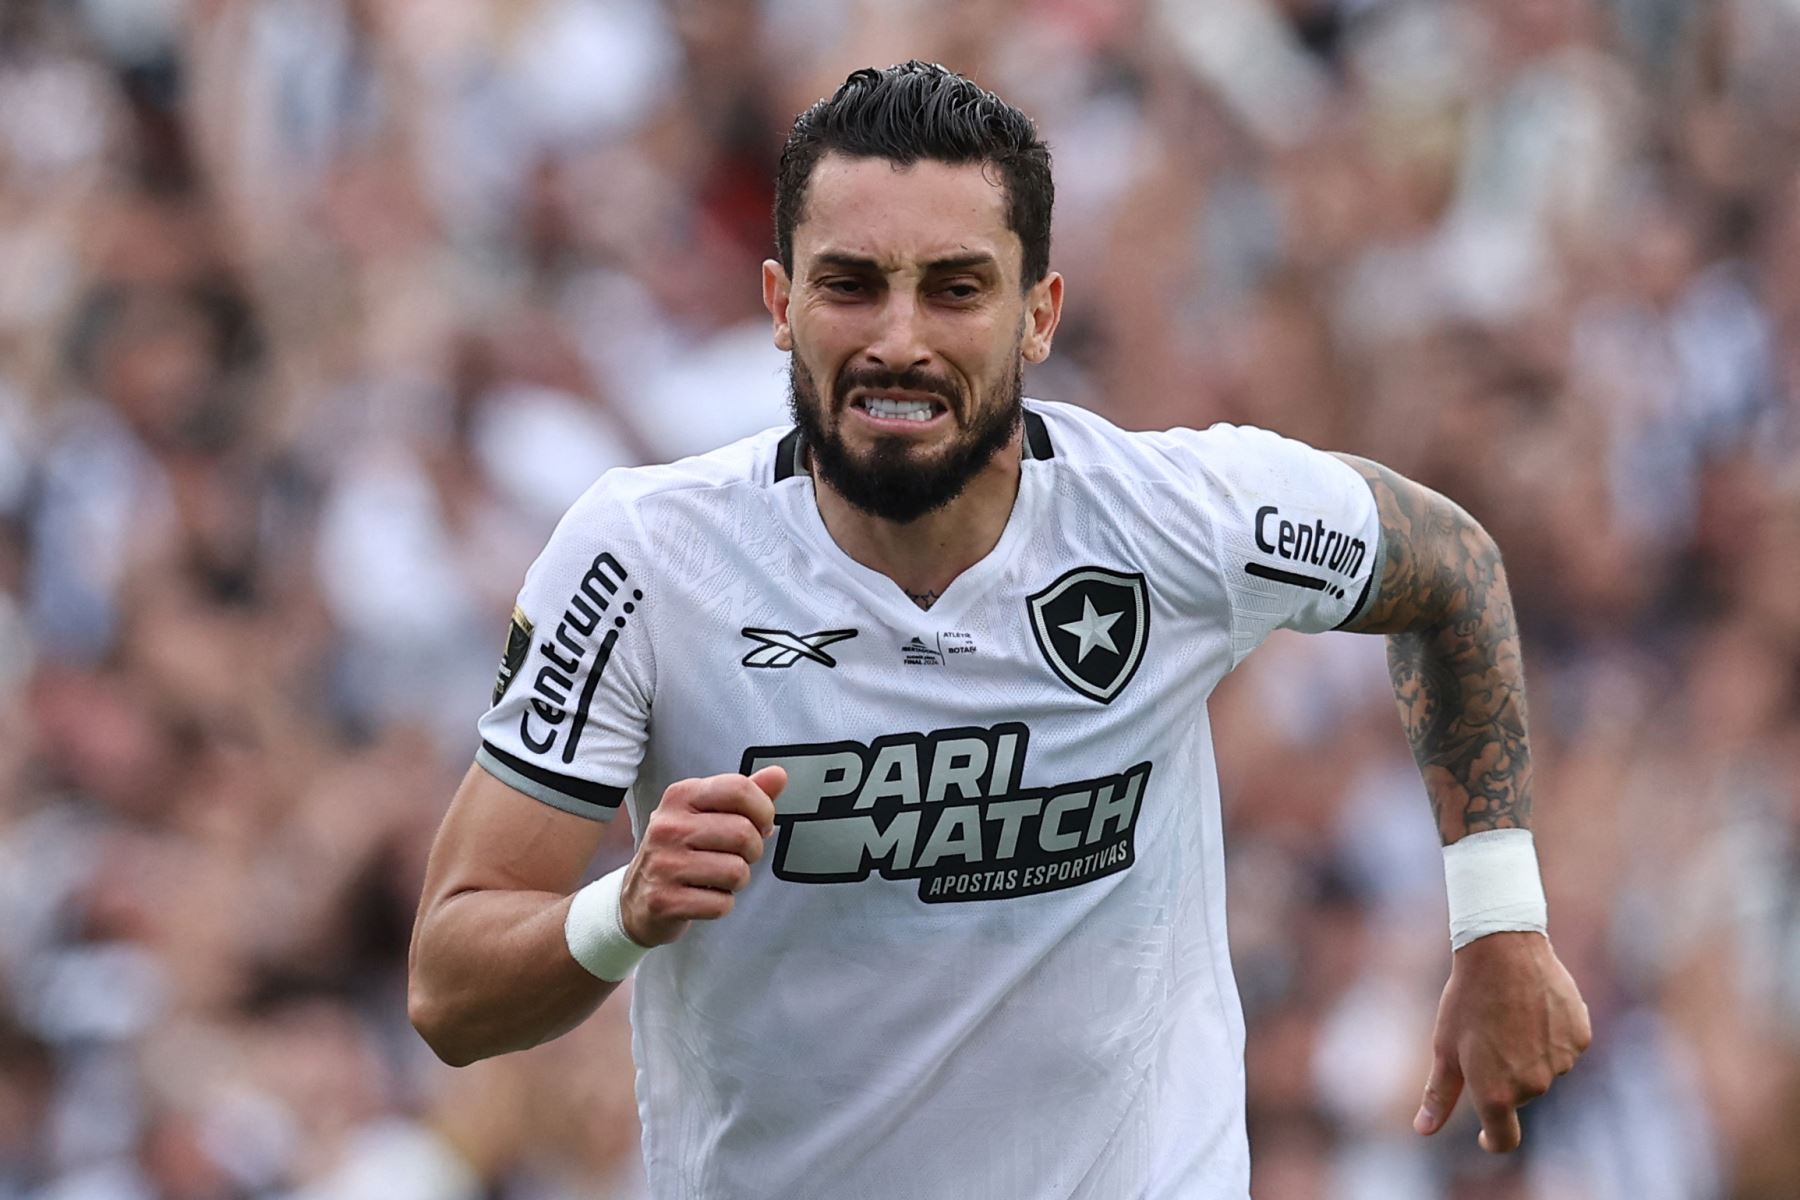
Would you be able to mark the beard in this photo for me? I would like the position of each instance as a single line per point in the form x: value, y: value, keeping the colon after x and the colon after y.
x: 897, y: 480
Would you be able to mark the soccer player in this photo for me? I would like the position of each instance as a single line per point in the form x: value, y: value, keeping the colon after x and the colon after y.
x: 907, y: 708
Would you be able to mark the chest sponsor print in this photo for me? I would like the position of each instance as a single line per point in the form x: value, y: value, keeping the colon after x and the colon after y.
x: 947, y: 808
x: 1092, y: 625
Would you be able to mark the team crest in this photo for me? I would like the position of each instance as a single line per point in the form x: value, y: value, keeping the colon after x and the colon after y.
x: 518, y: 645
x: 1091, y: 625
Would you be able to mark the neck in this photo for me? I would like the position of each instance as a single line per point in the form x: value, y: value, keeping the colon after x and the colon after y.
x: 923, y: 556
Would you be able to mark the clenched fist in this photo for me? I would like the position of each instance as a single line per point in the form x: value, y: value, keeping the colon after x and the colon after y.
x: 696, y: 852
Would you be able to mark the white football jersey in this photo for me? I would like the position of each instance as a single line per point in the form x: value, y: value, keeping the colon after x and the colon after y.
x: 984, y: 954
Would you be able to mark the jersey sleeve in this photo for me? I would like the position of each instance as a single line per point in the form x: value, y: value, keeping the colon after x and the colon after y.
x: 571, y: 706
x: 1295, y: 531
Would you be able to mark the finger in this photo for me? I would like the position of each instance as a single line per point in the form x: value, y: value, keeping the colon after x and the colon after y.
x: 737, y: 794
x: 714, y: 871
x: 771, y: 780
x: 1499, y: 1128
x: 729, y: 833
x: 1441, y: 1091
x: 695, y: 904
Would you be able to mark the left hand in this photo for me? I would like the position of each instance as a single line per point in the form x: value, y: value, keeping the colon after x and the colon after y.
x: 1510, y: 1022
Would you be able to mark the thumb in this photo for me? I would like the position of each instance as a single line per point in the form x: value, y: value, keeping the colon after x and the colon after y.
x: 1441, y: 1092
x: 771, y: 780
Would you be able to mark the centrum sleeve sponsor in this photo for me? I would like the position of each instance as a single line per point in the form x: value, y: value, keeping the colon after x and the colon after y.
x: 572, y: 654
x: 1317, y: 544
x: 946, y: 808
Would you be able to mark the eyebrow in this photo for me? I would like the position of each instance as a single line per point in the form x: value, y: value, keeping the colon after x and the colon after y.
x: 844, y: 261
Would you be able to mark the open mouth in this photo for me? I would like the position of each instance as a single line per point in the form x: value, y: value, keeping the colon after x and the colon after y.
x: 910, y: 408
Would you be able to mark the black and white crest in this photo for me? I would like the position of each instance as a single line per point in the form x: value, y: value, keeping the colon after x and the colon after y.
x: 1092, y: 625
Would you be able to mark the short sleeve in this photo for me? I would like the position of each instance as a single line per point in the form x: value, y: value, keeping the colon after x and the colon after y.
x: 1297, y: 536
x: 571, y: 706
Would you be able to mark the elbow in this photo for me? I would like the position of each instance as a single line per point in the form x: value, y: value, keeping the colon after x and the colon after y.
x: 433, y: 1008
x: 1483, y: 547
x: 438, y: 1027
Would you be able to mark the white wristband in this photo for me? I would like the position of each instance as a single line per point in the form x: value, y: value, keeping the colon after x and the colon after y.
x: 595, y: 930
x: 1493, y: 882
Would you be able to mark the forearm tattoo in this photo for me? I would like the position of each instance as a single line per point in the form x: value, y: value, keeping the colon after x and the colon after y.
x: 1453, y: 652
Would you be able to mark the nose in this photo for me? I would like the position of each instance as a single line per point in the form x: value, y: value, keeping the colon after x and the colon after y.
x: 899, y: 343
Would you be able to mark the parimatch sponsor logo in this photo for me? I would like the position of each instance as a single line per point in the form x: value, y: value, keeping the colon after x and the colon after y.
x: 946, y: 808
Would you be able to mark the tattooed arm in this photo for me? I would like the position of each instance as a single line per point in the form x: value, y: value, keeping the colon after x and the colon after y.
x: 1511, y: 1018
x: 1453, y: 652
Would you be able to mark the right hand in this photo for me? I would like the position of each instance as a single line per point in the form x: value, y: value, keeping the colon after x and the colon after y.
x: 696, y: 852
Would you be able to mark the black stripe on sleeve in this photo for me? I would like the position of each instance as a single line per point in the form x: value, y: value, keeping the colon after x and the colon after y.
x: 1311, y: 583
x: 599, y: 795
x: 587, y: 693
x: 787, y: 455
x: 1037, y: 437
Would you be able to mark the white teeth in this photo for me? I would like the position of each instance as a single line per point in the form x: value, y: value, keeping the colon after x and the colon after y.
x: 911, y: 410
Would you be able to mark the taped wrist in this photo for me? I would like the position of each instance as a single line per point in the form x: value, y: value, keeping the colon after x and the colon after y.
x: 595, y: 930
x: 1493, y: 884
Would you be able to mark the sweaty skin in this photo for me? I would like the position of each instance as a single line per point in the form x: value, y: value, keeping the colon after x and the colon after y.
x: 1511, y: 1018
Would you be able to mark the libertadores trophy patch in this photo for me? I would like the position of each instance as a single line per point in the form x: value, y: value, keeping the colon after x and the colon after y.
x: 518, y: 645
x: 1091, y: 625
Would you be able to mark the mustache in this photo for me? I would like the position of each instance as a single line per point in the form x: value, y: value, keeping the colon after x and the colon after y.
x: 910, y: 380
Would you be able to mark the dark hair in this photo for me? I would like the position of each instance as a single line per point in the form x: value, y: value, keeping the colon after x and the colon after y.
x: 920, y: 110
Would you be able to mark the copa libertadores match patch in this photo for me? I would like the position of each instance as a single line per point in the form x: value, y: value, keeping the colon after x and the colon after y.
x: 1091, y: 625
x: 518, y: 645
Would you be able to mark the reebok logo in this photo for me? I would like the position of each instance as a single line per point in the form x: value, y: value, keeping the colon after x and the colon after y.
x: 777, y: 648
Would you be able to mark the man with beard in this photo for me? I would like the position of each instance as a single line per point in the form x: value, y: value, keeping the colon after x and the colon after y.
x: 907, y: 706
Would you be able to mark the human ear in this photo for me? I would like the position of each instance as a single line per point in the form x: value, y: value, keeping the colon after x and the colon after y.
x: 1043, y: 311
x: 776, y: 291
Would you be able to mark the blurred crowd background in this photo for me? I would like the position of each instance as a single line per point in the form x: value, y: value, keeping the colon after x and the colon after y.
x: 314, y: 314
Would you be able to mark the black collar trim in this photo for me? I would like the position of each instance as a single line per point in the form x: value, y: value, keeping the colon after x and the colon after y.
x: 788, y: 454
x: 1037, y: 437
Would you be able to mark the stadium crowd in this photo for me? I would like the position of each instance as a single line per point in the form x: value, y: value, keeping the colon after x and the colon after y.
x: 315, y: 314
